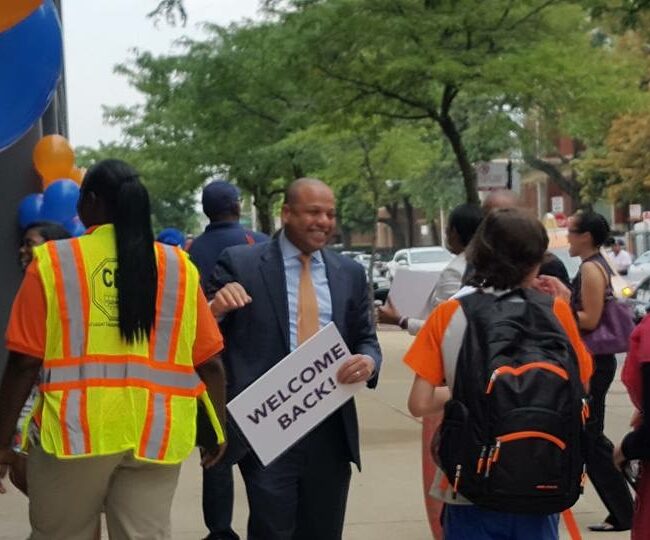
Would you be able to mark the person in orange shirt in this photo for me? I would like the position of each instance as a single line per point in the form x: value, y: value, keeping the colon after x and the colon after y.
x: 127, y: 342
x: 506, y: 253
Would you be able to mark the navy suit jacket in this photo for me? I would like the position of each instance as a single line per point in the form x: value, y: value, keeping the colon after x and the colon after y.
x: 257, y: 335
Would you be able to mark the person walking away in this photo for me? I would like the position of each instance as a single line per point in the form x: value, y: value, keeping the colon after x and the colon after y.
x: 459, y: 346
x: 636, y: 444
x: 127, y: 344
x: 220, y: 202
x: 588, y: 231
x: 272, y: 298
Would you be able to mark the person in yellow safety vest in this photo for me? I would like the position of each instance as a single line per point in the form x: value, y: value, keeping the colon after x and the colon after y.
x: 127, y: 346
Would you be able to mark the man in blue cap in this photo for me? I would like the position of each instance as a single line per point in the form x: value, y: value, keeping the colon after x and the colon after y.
x: 221, y: 204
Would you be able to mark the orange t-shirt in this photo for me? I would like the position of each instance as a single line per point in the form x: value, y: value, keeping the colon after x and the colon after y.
x: 442, y: 335
x: 26, y: 330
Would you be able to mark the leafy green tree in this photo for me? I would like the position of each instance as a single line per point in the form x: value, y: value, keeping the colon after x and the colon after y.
x: 225, y: 103
x: 170, y: 206
x: 621, y: 168
x: 420, y: 60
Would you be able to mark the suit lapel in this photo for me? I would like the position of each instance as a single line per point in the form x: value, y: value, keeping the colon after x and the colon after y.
x: 272, y: 270
x: 337, y: 288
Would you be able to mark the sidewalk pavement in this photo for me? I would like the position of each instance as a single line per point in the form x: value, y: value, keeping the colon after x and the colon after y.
x: 386, y: 499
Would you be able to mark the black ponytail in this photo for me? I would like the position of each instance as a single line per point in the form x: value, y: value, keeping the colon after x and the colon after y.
x: 127, y: 203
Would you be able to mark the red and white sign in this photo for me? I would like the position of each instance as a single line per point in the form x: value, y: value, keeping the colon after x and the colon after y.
x: 492, y: 175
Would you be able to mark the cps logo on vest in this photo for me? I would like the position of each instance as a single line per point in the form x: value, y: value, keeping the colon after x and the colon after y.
x: 103, y: 288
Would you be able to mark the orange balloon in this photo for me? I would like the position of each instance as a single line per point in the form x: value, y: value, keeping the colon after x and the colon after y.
x: 53, y: 158
x: 14, y: 11
x: 77, y: 174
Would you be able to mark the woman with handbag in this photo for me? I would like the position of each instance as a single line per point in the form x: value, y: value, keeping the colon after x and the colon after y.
x: 594, y: 308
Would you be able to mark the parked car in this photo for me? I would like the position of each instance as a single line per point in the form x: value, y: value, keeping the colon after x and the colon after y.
x: 378, y: 278
x: 428, y: 259
x: 639, y: 269
x: 639, y: 301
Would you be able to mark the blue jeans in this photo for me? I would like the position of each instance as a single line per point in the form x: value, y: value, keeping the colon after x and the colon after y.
x: 474, y: 523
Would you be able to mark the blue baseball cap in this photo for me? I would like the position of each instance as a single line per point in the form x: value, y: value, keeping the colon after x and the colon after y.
x: 172, y: 237
x: 220, y: 197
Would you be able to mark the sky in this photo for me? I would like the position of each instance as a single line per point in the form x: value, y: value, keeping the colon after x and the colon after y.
x: 98, y: 34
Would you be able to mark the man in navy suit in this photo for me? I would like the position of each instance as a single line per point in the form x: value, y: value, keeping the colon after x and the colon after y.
x: 258, y: 293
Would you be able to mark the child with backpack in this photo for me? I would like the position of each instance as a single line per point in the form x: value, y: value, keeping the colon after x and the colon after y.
x: 511, y: 439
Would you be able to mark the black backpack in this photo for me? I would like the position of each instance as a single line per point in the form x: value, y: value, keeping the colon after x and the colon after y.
x: 512, y: 436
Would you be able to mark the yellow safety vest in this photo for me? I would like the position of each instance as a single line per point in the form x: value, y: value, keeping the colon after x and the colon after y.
x: 101, y: 395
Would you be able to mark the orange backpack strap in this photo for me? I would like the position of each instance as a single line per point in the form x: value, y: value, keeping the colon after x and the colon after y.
x: 571, y: 525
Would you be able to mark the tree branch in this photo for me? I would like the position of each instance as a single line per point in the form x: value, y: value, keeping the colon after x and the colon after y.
x: 378, y: 89
x: 448, y: 95
x: 569, y: 185
x: 532, y: 13
x: 253, y: 111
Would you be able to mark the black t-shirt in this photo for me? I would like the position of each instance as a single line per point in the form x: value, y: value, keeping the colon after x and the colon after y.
x: 553, y: 266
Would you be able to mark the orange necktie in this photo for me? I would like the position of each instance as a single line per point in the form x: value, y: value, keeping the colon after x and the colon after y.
x: 308, y: 323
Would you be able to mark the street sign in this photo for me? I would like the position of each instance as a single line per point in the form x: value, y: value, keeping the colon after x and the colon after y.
x: 557, y: 205
x: 635, y: 212
x: 497, y: 174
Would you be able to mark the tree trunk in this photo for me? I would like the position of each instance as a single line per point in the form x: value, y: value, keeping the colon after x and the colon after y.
x: 410, y: 225
x: 264, y: 215
x: 398, y: 233
x: 436, y: 238
x: 448, y: 127
x: 371, y: 277
x: 346, y: 237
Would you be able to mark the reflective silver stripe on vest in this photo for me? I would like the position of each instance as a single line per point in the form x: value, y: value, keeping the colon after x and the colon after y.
x: 165, y: 321
x: 119, y: 371
x: 158, y: 423
x: 72, y: 422
x: 72, y: 292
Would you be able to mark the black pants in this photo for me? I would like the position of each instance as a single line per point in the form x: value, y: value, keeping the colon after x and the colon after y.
x: 608, y: 481
x: 218, y: 501
x: 303, y: 494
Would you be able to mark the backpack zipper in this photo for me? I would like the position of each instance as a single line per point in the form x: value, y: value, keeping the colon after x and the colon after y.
x: 586, y: 411
x: 495, y: 451
x: 459, y: 468
x: 560, y: 372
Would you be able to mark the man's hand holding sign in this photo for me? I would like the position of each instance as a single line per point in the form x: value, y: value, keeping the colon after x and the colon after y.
x: 298, y: 393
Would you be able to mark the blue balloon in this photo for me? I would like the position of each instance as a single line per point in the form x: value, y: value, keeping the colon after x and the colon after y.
x: 60, y: 201
x: 29, y: 210
x: 74, y: 226
x: 31, y: 58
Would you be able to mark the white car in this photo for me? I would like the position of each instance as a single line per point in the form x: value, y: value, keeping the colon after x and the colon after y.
x: 639, y: 269
x: 426, y: 259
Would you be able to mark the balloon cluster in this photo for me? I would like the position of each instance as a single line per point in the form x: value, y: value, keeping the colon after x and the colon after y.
x: 54, y: 160
x: 31, y: 60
